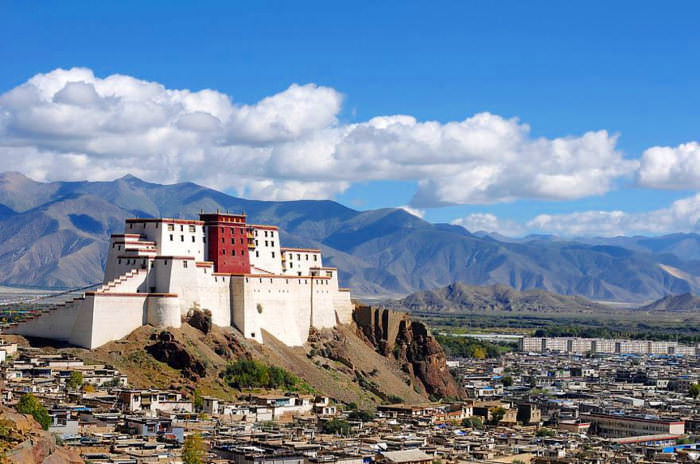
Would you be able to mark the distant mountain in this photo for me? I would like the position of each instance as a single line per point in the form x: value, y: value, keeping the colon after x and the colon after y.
x: 462, y: 298
x: 675, y: 303
x: 56, y: 234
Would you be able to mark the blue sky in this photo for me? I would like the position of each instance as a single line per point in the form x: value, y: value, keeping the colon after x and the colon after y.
x: 562, y: 68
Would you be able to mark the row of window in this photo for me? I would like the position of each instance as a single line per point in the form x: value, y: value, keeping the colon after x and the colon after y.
x: 291, y: 256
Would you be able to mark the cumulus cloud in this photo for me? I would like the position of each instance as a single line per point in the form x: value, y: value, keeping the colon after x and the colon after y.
x: 681, y: 216
x: 674, y: 168
x: 487, y: 222
x: 70, y: 124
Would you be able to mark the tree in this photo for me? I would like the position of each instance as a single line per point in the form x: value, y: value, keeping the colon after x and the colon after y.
x: 193, y: 451
x: 497, y: 414
x: 363, y: 416
x: 28, y: 404
x: 479, y: 353
x: 545, y: 432
x: 694, y: 390
x: 336, y: 427
x: 75, y: 380
x: 198, y: 401
x: 507, y: 381
x: 473, y: 422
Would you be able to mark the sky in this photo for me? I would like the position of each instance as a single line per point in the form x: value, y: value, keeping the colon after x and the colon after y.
x: 570, y: 118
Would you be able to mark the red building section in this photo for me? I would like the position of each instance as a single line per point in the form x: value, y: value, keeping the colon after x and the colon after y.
x: 227, y: 242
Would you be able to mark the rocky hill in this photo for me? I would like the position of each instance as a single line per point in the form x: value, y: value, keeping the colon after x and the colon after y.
x: 56, y: 234
x: 458, y: 298
x: 22, y: 441
x: 341, y: 363
x: 686, y: 302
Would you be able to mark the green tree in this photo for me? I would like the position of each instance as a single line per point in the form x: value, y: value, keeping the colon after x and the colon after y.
x: 497, y: 414
x: 363, y: 416
x: 473, y: 422
x: 507, y: 381
x: 193, y: 451
x: 545, y: 432
x: 694, y: 390
x: 479, y: 353
x: 28, y: 404
x: 75, y: 380
x: 336, y: 427
x: 198, y: 401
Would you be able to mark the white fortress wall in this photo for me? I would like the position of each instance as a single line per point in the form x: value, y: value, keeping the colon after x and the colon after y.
x: 323, y: 312
x: 116, y: 315
x: 56, y: 324
x: 278, y: 304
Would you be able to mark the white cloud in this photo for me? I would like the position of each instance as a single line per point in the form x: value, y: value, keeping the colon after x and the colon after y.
x: 487, y: 222
x: 69, y: 125
x: 681, y: 216
x: 672, y: 168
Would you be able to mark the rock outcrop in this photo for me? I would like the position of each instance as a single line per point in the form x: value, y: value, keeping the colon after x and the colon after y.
x: 168, y: 350
x: 22, y: 441
x: 410, y: 343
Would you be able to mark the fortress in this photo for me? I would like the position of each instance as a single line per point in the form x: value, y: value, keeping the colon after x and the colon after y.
x: 160, y: 269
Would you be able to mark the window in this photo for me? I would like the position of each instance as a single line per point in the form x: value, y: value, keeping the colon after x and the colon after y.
x: 233, y: 241
x: 307, y: 257
x: 242, y: 242
x: 182, y: 238
x: 222, y: 240
x: 291, y: 265
x: 182, y: 228
x: 204, y: 239
x: 223, y: 251
x: 193, y: 239
x: 171, y: 237
x: 315, y: 257
x: 233, y: 252
x: 273, y: 254
x: 131, y: 226
x: 257, y: 254
x: 298, y: 257
x: 191, y: 228
x: 265, y: 242
x: 265, y: 235
x: 171, y: 227
x: 272, y: 244
x: 184, y: 263
x: 120, y: 261
x: 272, y: 234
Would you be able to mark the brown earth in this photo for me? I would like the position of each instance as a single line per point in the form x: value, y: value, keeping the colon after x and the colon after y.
x: 341, y: 363
x: 23, y: 441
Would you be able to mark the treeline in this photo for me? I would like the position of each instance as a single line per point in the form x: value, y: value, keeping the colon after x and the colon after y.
x: 466, y: 347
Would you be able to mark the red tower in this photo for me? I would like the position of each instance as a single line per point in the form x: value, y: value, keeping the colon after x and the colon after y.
x: 227, y: 242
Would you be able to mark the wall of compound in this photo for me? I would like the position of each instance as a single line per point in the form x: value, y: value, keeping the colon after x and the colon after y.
x: 279, y: 305
x: 56, y: 325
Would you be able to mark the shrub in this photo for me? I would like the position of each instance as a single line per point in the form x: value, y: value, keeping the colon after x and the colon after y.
x: 246, y: 373
x: 193, y: 451
x: 28, y: 404
x: 336, y: 427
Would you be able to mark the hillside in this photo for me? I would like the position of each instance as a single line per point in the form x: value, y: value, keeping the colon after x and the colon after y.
x: 55, y: 235
x: 458, y: 298
x: 675, y: 303
x: 340, y: 363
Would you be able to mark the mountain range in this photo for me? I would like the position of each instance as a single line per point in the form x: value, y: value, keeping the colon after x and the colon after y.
x: 461, y: 298
x: 55, y: 234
